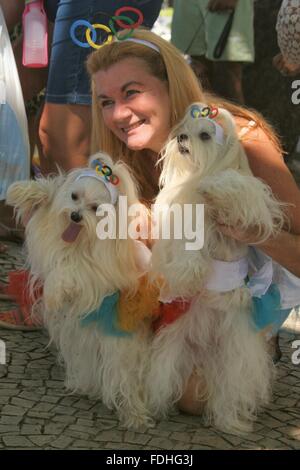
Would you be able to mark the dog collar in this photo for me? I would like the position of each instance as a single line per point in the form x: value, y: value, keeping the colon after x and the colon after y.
x: 113, y: 191
x: 227, y: 275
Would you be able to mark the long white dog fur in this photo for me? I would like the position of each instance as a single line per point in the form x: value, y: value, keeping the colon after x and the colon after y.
x: 215, y: 339
x: 76, y: 277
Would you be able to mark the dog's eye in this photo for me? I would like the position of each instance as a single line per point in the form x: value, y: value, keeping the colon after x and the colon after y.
x: 74, y: 196
x: 204, y: 136
x: 94, y: 207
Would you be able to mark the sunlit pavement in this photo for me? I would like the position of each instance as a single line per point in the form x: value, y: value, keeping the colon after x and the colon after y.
x: 36, y: 411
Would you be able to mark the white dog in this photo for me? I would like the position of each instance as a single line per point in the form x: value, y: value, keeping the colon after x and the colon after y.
x: 81, y: 274
x: 204, y: 163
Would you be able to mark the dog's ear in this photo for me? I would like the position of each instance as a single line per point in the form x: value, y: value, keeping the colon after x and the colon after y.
x: 127, y: 183
x: 101, y: 157
x: 226, y: 120
x: 24, y: 196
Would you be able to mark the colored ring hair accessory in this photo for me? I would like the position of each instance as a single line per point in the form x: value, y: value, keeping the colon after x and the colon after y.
x: 92, y: 42
x: 106, y: 170
x: 75, y: 25
x: 195, y: 111
x: 205, y: 112
x: 214, y: 112
x: 114, y: 179
x: 134, y: 10
x: 113, y: 29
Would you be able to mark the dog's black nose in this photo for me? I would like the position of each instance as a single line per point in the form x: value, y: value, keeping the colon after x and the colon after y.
x: 181, y: 138
x: 76, y: 217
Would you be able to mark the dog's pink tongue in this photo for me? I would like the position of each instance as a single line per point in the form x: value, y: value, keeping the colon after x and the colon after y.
x: 71, y: 232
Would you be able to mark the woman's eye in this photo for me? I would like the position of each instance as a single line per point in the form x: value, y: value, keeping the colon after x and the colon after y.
x: 106, y: 103
x: 94, y: 207
x: 74, y: 196
x: 131, y: 92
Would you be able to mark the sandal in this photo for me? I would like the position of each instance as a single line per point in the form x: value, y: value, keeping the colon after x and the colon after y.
x: 18, y: 319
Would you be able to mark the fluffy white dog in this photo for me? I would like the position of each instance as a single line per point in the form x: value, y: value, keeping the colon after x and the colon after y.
x: 80, y: 274
x: 215, y: 340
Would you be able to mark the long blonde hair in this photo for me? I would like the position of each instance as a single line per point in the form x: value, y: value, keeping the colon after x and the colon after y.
x: 183, y: 86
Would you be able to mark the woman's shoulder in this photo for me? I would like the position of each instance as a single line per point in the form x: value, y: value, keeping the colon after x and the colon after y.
x: 266, y: 162
x: 260, y: 147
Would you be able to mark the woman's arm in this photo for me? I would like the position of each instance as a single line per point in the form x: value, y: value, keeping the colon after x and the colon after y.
x: 267, y: 163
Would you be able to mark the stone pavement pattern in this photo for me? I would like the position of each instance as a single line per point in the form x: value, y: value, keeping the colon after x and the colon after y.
x: 37, y: 413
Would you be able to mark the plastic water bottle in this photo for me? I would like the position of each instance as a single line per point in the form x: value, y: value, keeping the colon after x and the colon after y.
x: 35, y: 35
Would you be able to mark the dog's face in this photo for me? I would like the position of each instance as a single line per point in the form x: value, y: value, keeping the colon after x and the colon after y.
x: 62, y: 235
x: 75, y: 206
x: 205, y: 141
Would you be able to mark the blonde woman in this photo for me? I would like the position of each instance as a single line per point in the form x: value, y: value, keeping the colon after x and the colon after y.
x: 141, y: 87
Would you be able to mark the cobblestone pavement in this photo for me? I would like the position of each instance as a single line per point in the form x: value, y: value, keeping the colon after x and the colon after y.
x: 37, y: 413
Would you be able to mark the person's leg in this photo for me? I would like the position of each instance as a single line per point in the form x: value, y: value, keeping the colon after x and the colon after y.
x: 65, y: 123
x: 64, y: 133
x: 189, y: 402
x: 227, y: 80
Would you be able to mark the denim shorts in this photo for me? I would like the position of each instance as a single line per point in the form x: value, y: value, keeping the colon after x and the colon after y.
x: 68, y: 80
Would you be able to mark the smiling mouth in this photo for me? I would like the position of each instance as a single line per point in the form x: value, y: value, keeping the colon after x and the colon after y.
x: 133, y: 126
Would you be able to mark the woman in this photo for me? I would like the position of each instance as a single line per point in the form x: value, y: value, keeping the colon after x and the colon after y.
x: 141, y: 88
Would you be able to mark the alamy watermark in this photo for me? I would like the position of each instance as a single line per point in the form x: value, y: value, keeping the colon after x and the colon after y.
x: 2, y: 352
x: 177, y: 221
x: 296, y: 93
x: 296, y: 354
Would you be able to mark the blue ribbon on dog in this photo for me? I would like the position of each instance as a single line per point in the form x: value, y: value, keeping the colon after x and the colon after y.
x: 267, y: 311
x: 106, y: 316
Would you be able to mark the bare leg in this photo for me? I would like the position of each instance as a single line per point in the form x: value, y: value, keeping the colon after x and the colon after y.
x: 189, y: 402
x: 65, y: 135
x: 227, y: 80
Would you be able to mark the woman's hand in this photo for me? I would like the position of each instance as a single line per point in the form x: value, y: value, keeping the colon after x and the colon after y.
x: 221, y: 5
x: 249, y: 237
x: 285, y: 68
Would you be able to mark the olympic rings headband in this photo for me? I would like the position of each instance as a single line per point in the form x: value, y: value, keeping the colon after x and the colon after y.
x: 91, y: 34
x: 104, y: 174
x: 209, y: 114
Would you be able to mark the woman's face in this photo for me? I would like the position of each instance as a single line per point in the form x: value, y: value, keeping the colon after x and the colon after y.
x: 135, y: 104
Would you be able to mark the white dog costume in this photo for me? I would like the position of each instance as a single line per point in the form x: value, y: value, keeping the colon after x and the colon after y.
x: 204, y: 163
x: 82, y: 278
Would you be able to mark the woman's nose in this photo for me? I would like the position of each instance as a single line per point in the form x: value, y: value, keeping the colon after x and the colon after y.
x: 121, y: 112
